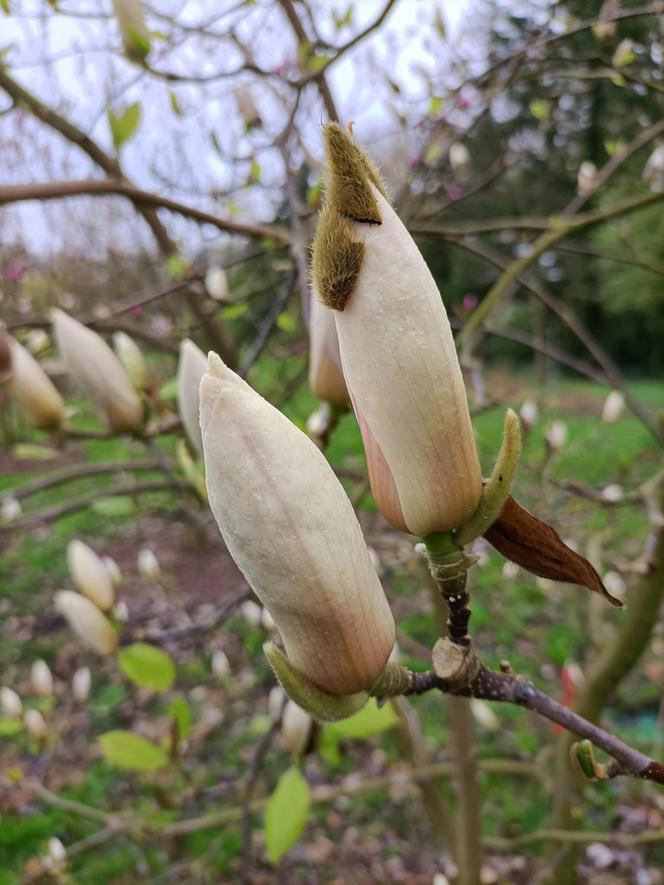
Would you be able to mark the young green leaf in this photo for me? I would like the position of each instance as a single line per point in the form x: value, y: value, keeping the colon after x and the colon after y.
x: 286, y: 813
x: 147, y: 666
x: 130, y: 751
x: 180, y: 710
x: 370, y: 720
x: 124, y: 125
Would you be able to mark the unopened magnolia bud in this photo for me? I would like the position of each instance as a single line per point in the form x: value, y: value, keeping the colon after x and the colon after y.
x: 216, y: 283
x: 653, y: 171
x: 247, y: 107
x: 252, y: 613
x: 220, y: 664
x: 510, y: 570
x: 90, y: 574
x: 133, y: 30
x: 57, y: 853
x: 148, y: 565
x: 484, y: 715
x: 555, y: 435
x: 10, y: 702
x: 80, y: 684
x: 32, y: 390
x: 10, y: 509
x: 586, y: 179
x: 291, y: 529
x: 37, y: 341
x: 113, y: 569
x: 192, y: 365
x: 459, y: 158
x: 296, y: 727
x: 96, y: 369
x: 613, y: 493
x: 529, y: 413
x: 614, y: 406
x: 624, y: 53
x: 319, y: 421
x: 121, y: 611
x: 35, y: 724
x: 131, y: 357
x: 41, y: 679
x: 397, y: 351
x: 326, y: 377
x: 275, y: 701
x: 85, y: 619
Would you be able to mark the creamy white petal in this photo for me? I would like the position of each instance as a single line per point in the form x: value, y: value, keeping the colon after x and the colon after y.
x: 192, y: 365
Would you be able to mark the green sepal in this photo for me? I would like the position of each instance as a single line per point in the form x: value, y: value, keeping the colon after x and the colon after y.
x: 322, y: 705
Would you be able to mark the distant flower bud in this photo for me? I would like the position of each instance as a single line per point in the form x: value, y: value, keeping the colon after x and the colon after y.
x: 296, y: 727
x: 291, y: 529
x: 113, y: 569
x: 121, y: 611
x: 192, y: 365
x: 275, y: 701
x: 85, y: 619
x: 614, y: 406
x: 220, y: 664
x: 252, y: 613
x: 80, y: 684
x: 555, y: 435
x: 397, y: 351
x: 133, y: 30
x: 624, y: 54
x: 319, y: 421
x: 10, y: 509
x: 326, y: 378
x: 529, y: 413
x: 653, y: 171
x: 35, y: 724
x: 605, y: 28
x: 37, y: 341
x: 459, y: 158
x: 148, y: 565
x: 613, y: 493
x: 90, y: 574
x: 246, y: 106
x: 484, y: 715
x: 57, y: 852
x: 41, y: 679
x: 216, y: 283
x: 96, y: 369
x: 10, y: 702
x: 31, y: 389
x: 510, y: 570
x: 132, y: 359
x: 586, y: 179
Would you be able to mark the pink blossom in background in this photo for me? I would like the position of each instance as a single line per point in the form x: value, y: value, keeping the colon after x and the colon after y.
x: 15, y: 270
x: 453, y: 192
x: 469, y: 302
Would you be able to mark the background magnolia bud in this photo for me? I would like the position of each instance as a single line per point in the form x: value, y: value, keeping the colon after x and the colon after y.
x: 121, y: 611
x: 586, y: 179
x: 220, y: 664
x: 10, y: 509
x: 96, y: 369
x: 459, y: 158
x: 57, y: 852
x: 90, y: 574
x: 148, y: 564
x: 31, y: 389
x: 80, y: 684
x: 41, y: 679
x: 35, y: 724
x: 10, y: 702
x: 192, y: 365
x: 113, y: 569
x: 85, y: 619
x: 326, y: 378
x: 133, y: 30
x: 275, y: 701
x: 216, y: 283
x: 529, y: 413
x: 291, y: 529
x: 555, y: 435
x: 613, y: 492
x: 252, y: 613
x: 613, y: 408
x: 247, y: 107
x: 131, y: 357
x: 296, y: 726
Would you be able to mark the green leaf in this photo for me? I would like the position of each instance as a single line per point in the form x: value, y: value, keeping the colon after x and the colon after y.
x: 147, y: 666
x: 286, y: 813
x: 370, y: 720
x: 540, y: 109
x: 435, y: 104
x: 235, y: 311
x: 10, y: 726
x: 124, y: 125
x: 4, y: 5
x: 177, y: 266
x: 33, y: 452
x: 139, y: 41
x: 343, y: 20
x: 180, y: 710
x: 169, y: 389
x: 130, y: 751
x: 286, y: 322
x: 254, y: 172
x: 175, y: 103
x: 118, y: 505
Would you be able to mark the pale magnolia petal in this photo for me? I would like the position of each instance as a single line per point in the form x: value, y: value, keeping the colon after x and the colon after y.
x: 85, y: 619
x: 96, y: 369
x: 35, y: 724
x: 57, y: 851
x: 216, y: 283
x: 113, y: 570
x: 80, y: 684
x: 296, y: 725
x: 31, y: 389
x: 326, y: 378
x: 192, y: 365
x: 402, y: 370
x: 275, y: 701
x: 90, y: 574
x: 586, y: 179
x: 613, y: 408
x: 132, y: 359
x: 10, y: 702
x: 291, y: 529
x: 41, y: 679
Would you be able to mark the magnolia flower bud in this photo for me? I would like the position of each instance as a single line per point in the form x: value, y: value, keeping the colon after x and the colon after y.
x: 653, y: 171
x: 613, y: 408
x: 134, y: 32
x: 131, y: 357
x: 247, y: 107
x: 148, y: 565
x: 35, y: 724
x: 555, y: 435
x: 586, y: 179
x: 484, y: 715
x: 397, y: 351
x: 459, y: 158
x: 10, y: 509
x: 529, y: 413
x: 41, y: 679
x: 296, y: 727
x: 216, y: 283
x: 57, y: 853
x: 121, y: 611
x: 31, y: 388
x: 90, y: 574
x: 220, y: 664
x: 94, y: 366
x: 10, y: 702
x: 613, y: 493
x: 291, y: 529
x: 275, y: 701
x: 192, y: 365
x: 326, y: 378
x: 85, y: 619
x: 113, y: 569
x: 252, y: 613
x: 80, y: 684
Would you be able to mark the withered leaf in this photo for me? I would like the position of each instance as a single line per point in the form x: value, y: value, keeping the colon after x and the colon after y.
x: 538, y: 548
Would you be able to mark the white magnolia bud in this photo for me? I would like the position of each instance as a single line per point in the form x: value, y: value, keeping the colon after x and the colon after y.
x: 85, y: 619
x: 555, y: 435
x: 31, y: 389
x: 10, y: 509
x: 121, y: 611
x: 252, y: 613
x: 586, y: 179
x: 80, y: 684
x: 96, y: 369
x: 613, y: 408
x: 216, y: 283
x: 90, y: 574
x: 57, y: 852
x: 275, y: 701
x: 37, y: 341
x: 132, y: 359
x: 35, y: 724
x: 192, y: 365
x: 613, y: 493
x: 459, y: 158
x: 484, y: 715
x: 148, y: 565
x: 529, y: 413
x: 113, y: 569
x: 319, y: 421
x: 653, y: 171
x: 296, y: 727
x: 326, y: 377
x: 220, y: 664
x: 133, y: 30
x: 397, y: 351
x: 41, y: 679
x: 10, y: 702
x: 291, y: 529
x: 510, y: 570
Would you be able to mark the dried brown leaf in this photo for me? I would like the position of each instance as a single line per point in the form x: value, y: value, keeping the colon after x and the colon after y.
x: 535, y: 546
